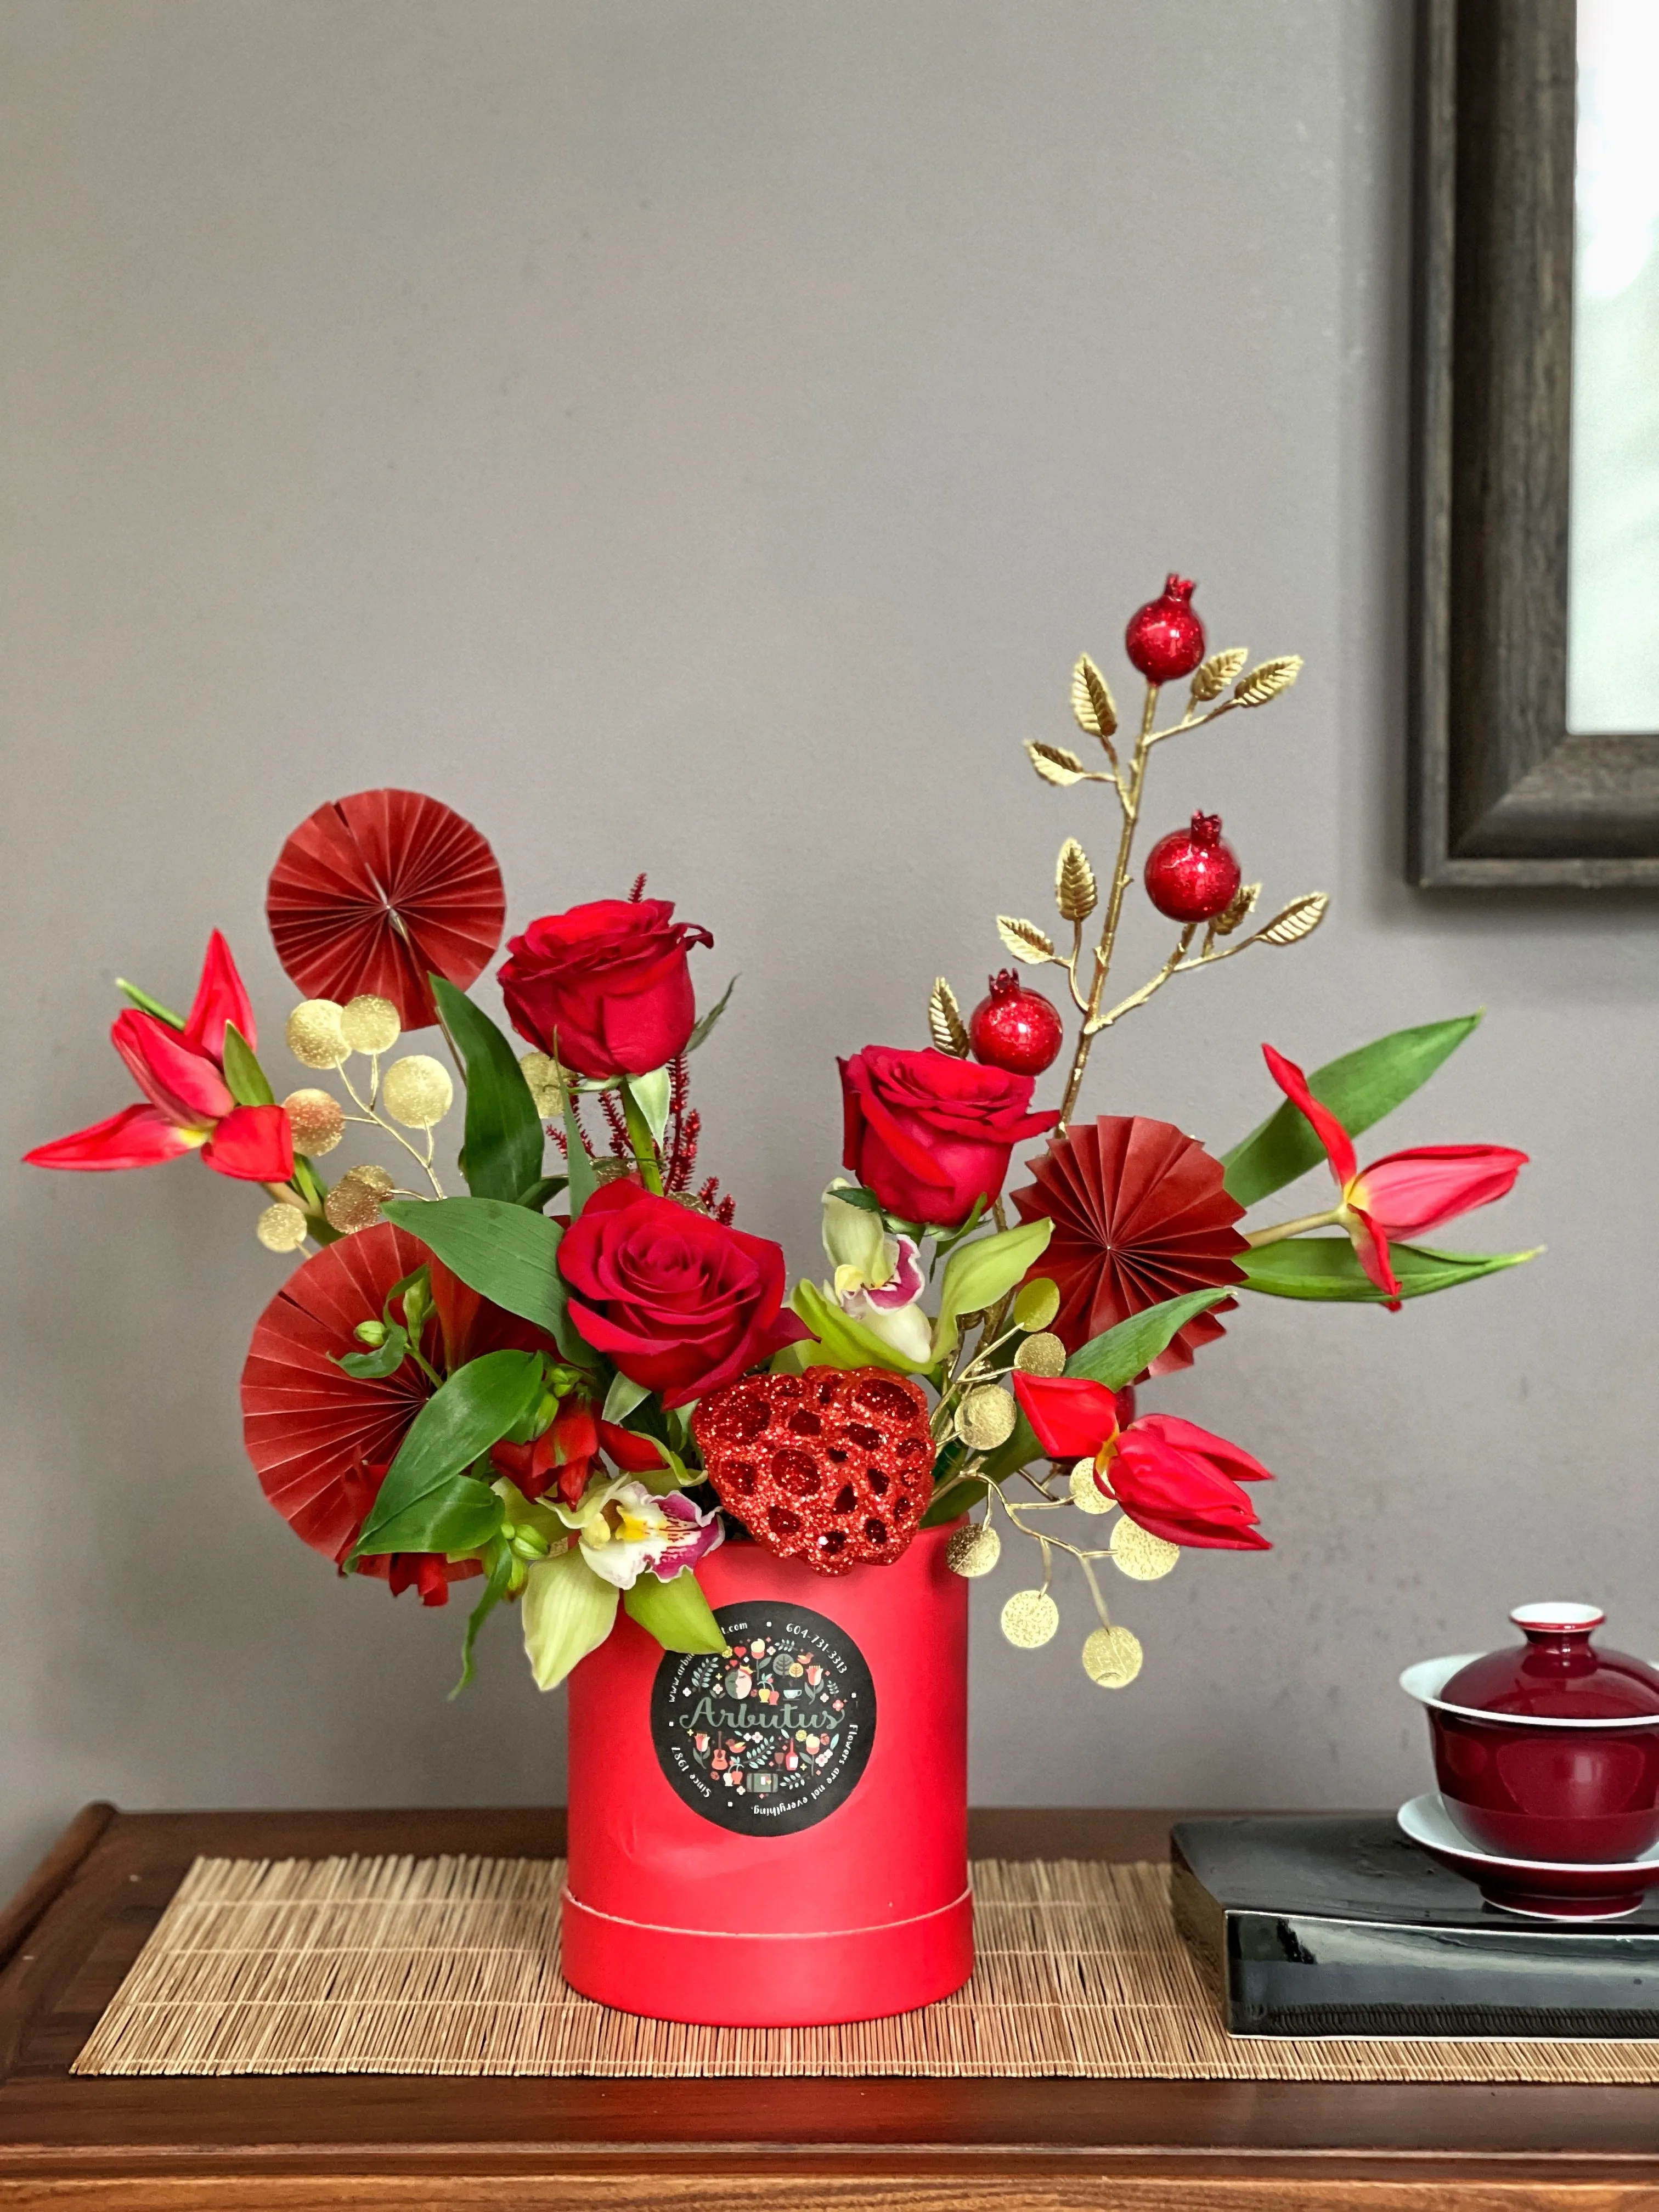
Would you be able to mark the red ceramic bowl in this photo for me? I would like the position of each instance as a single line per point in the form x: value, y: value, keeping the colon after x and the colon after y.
x: 1549, y: 1750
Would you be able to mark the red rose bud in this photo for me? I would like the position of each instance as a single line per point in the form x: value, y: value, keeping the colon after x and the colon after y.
x: 930, y: 1135
x: 1165, y: 638
x: 605, y: 988
x: 674, y: 1300
x: 1015, y: 1028
x: 1193, y: 874
x: 1173, y: 1479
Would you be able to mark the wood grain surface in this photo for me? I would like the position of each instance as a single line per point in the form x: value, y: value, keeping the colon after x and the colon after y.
x: 863, y: 2146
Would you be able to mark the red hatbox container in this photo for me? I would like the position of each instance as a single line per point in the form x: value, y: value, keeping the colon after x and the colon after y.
x: 778, y: 1838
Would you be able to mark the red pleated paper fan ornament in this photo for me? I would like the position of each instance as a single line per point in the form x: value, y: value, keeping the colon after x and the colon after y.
x: 320, y: 1440
x: 1141, y: 1214
x: 375, y: 892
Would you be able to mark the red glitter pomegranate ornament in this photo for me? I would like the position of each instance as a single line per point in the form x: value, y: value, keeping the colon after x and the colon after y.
x: 1193, y: 874
x: 1166, y: 639
x: 1015, y: 1028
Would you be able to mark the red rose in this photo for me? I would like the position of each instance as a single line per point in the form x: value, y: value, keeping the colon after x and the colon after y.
x: 605, y: 988
x: 929, y: 1133
x: 673, y: 1298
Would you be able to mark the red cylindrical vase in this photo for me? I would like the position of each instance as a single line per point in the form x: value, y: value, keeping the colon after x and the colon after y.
x: 777, y: 1838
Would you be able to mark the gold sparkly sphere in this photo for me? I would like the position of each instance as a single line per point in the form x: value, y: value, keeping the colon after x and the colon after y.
x: 1142, y: 1556
x: 1030, y: 1618
x: 1036, y: 1305
x: 986, y: 1417
x: 355, y: 1201
x: 1086, y: 1493
x: 315, y: 1035
x: 1041, y: 1354
x: 1112, y: 1657
x: 317, y: 1120
x: 418, y: 1092
x: 370, y: 1023
x: 280, y: 1228
x: 541, y: 1074
x: 973, y: 1551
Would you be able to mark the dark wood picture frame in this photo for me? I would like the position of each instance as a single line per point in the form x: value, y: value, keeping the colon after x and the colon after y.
x: 1502, y: 795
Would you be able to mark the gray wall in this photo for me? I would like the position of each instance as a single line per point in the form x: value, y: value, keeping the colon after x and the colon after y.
x: 699, y: 438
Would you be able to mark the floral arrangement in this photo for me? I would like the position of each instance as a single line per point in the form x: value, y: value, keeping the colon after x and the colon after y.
x: 571, y: 1382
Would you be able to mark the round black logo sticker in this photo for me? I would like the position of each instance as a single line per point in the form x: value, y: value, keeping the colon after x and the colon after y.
x: 770, y: 1740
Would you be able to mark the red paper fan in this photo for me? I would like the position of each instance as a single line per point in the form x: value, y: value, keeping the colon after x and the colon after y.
x: 1141, y: 1214
x: 372, y: 892
x: 313, y: 1432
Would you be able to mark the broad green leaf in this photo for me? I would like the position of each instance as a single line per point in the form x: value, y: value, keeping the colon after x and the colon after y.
x: 568, y: 1610
x: 454, y: 1516
x: 976, y: 1275
x: 505, y: 1253
x: 1359, y: 1089
x: 497, y: 1574
x: 698, y: 1035
x: 960, y: 1499
x: 841, y: 1341
x: 384, y: 1359
x: 621, y: 1398
x: 1328, y: 1267
x: 473, y: 1410
x: 246, y: 1080
x: 504, y: 1139
x: 650, y: 1094
x: 541, y: 1190
x: 1114, y: 1358
x: 676, y: 1612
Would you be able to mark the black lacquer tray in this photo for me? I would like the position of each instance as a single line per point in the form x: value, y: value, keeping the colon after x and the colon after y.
x: 1334, y: 1924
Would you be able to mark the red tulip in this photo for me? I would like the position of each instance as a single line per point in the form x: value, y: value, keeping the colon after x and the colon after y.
x: 1404, y: 1194
x: 1172, y: 1478
x: 182, y: 1074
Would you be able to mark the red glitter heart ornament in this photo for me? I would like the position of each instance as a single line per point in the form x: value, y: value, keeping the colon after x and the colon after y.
x: 833, y: 1468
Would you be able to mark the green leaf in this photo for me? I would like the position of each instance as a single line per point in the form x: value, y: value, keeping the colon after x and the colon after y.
x: 961, y: 1498
x: 498, y: 1573
x: 385, y: 1358
x: 700, y: 1035
x: 841, y: 1341
x: 976, y: 1275
x: 244, y: 1078
x: 541, y: 1190
x: 1359, y: 1089
x: 568, y: 1610
x: 620, y: 1399
x: 146, y: 1005
x: 676, y: 1612
x: 1328, y: 1267
x: 1113, y: 1358
x: 504, y: 1140
x: 505, y: 1252
x: 474, y: 1409
x: 454, y: 1515
x: 650, y: 1093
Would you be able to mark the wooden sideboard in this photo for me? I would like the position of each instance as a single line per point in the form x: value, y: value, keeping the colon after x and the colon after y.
x: 318, y: 2144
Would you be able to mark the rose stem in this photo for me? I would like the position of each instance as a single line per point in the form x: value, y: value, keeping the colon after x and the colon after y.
x: 639, y: 1135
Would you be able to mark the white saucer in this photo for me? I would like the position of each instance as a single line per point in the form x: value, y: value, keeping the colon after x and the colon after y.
x: 1580, y: 1889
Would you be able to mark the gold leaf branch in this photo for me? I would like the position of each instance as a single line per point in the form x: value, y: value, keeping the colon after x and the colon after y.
x: 1298, y: 919
x: 944, y: 1022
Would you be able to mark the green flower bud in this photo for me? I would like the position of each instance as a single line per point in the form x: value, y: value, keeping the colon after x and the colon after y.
x: 371, y: 1332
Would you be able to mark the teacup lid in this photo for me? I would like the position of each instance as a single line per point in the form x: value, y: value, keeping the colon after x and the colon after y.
x: 1557, y: 1673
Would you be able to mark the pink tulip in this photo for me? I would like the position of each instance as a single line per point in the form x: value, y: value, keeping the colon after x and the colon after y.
x: 1404, y: 1194
x: 189, y: 1109
x: 1172, y: 1478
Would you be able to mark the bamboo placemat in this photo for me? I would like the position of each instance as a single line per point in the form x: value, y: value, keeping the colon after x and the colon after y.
x: 451, y: 1965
